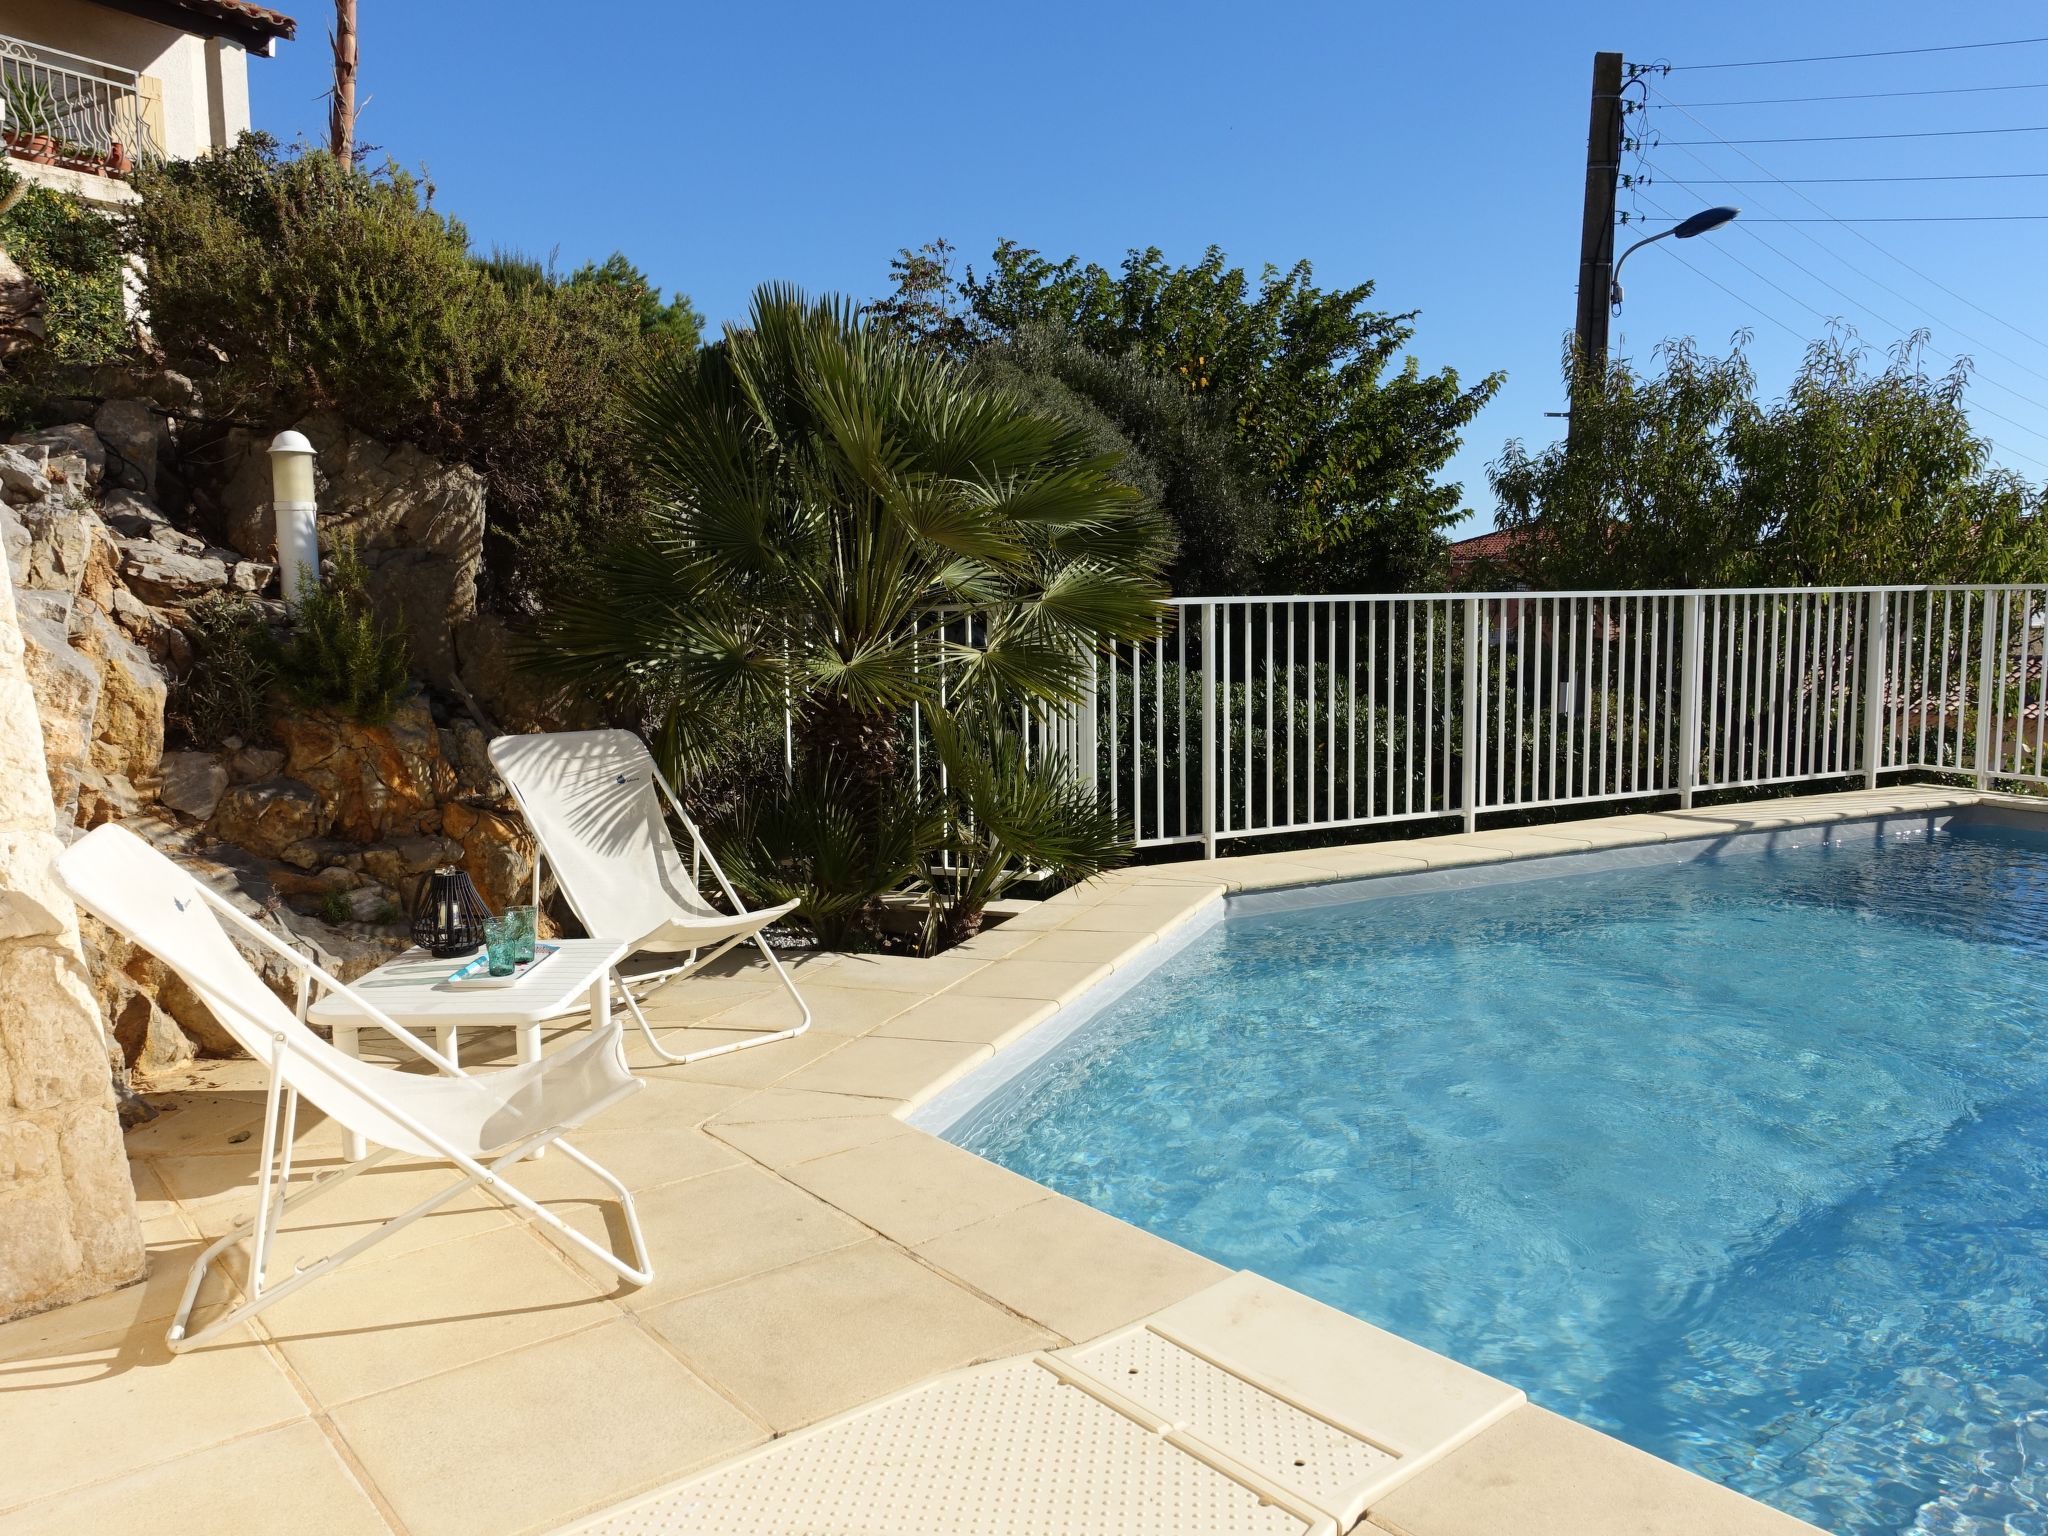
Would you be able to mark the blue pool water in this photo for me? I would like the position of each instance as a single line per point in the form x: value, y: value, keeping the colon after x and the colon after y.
x: 1744, y: 1161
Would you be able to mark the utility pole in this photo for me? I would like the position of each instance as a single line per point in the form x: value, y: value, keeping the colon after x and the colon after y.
x: 1596, y: 232
x: 341, y: 108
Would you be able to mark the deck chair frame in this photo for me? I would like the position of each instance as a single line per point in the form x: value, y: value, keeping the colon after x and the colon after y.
x: 650, y: 982
x: 280, y: 1120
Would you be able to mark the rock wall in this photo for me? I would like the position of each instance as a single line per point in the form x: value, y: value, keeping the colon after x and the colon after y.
x: 325, y: 824
x: 67, y: 1208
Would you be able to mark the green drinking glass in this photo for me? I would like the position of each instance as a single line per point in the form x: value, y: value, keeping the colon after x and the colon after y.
x: 501, y: 944
x: 525, y: 925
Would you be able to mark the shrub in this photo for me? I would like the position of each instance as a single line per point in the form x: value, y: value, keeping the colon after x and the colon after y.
x: 227, y: 688
x: 338, y: 655
x: 72, y: 253
x: 290, y: 283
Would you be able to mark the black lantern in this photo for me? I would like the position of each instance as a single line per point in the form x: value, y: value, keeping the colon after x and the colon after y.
x: 448, y: 914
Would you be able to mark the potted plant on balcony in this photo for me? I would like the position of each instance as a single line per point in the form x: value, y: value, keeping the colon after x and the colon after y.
x: 30, y: 114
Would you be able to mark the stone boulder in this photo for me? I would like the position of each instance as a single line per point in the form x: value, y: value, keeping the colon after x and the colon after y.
x: 67, y: 690
x: 61, y: 447
x: 133, y: 435
x: 271, y: 816
x: 379, y: 782
x: 488, y: 650
x: 497, y: 851
x: 192, y: 783
x: 128, y: 727
x: 418, y: 524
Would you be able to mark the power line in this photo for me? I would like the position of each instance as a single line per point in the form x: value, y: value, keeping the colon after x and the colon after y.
x: 1836, y: 58
x: 1743, y: 225
x: 1852, y: 138
x: 1788, y: 101
x: 1931, y: 281
x: 1976, y: 405
x: 1816, y: 181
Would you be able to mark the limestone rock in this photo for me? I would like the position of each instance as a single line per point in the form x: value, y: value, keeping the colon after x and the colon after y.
x: 399, y: 865
x: 128, y: 728
x: 105, y: 797
x: 247, y: 764
x: 150, y: 1039
x: 67, y: 692
x: 488, y: 650
x: 192, y: 783
x: 251, y: 576
x: 133, y: 434
x: 74, y: 440
x: 21, y: 477
x: 270, y: 816
x: 497, y: 851
x: 418, y: 523
x: 61, y: 537
x: 162, y: 575
x: 380, y: 781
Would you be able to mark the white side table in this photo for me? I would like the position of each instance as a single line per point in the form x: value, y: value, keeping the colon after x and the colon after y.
x: 413, y: 989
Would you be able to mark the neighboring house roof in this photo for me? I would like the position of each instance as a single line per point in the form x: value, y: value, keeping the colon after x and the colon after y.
x: 1497, y: 545
x: 253, y: 26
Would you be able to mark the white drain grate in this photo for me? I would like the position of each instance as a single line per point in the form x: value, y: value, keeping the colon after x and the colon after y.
x: 1008, y: 1450
x: 1297, y: 1450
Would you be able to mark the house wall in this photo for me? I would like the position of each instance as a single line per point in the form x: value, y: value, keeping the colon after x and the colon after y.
x: 205, y: 81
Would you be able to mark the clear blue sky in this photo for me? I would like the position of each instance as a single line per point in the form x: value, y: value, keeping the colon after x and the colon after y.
x: 1437, y: 150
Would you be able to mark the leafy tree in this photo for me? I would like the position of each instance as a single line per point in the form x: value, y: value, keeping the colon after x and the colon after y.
x: 1325, y: 425
x: 1682, y: 478
x: 72, y: 255
x: 674, y: 321
x: 1175, y: 445
x: 925, y: 305
x: 851, y: 527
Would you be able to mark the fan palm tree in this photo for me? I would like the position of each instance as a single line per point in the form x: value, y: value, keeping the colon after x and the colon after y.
x: 848, y: 527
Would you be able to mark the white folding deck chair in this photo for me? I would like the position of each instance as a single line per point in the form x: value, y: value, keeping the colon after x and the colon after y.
x: 481, y: 1124
x: 594, y: 802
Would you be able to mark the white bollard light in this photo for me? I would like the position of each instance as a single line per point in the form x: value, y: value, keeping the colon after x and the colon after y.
x: 292, y: 500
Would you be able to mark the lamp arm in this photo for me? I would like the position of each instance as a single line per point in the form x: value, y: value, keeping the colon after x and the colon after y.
x: 1614, y: 277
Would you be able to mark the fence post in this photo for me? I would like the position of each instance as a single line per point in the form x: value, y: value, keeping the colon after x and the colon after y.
x: 1689, y: 680
x: 1989, y: 677
x: 1876, y: 662
x: 1087, y: 770
x: 1209, y: 683
x: 1468, y: 777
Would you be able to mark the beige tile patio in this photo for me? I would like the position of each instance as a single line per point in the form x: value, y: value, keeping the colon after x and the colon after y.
x: 756, y: 1066
x: 370, y: 1326
x: 143, y: 1308
x: 1073, y: 1269
x: 718, y: 1228
x: 669, y: 1098
x: 128, y: 1403
x: 1146, y: 917
x: 643, y: 1156
x: 902, y: 973
x: 991, y: 1021
x: 889, y: 1068
x: 848, y: 1326
x: 834, y: 1010
x: 151, y: 1198
x: 530, y: 1438
x: 336, y: 1217
x: 198, y: 1122
x: 288, y: 1479
x: 993, y: 943
x: 913, y: 1188
x: 1051, y: 980
x: 779, y: 1143
x: 774, y: 1104
x: 1537, y: 1474
x: 1112, y: 947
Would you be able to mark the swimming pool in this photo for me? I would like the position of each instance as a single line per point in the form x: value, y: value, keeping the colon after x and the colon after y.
x: 1744, y: 1160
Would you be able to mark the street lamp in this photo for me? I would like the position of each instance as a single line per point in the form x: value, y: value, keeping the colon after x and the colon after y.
x: 1684, y: 229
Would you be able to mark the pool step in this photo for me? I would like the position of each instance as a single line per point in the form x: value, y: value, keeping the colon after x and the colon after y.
x: 1246, y: 1409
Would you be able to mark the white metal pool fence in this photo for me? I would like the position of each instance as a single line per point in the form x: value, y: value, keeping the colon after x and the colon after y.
x: 1251, y: 716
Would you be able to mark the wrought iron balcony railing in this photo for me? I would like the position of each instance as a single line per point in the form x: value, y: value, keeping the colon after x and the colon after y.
x: 59, y: 108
